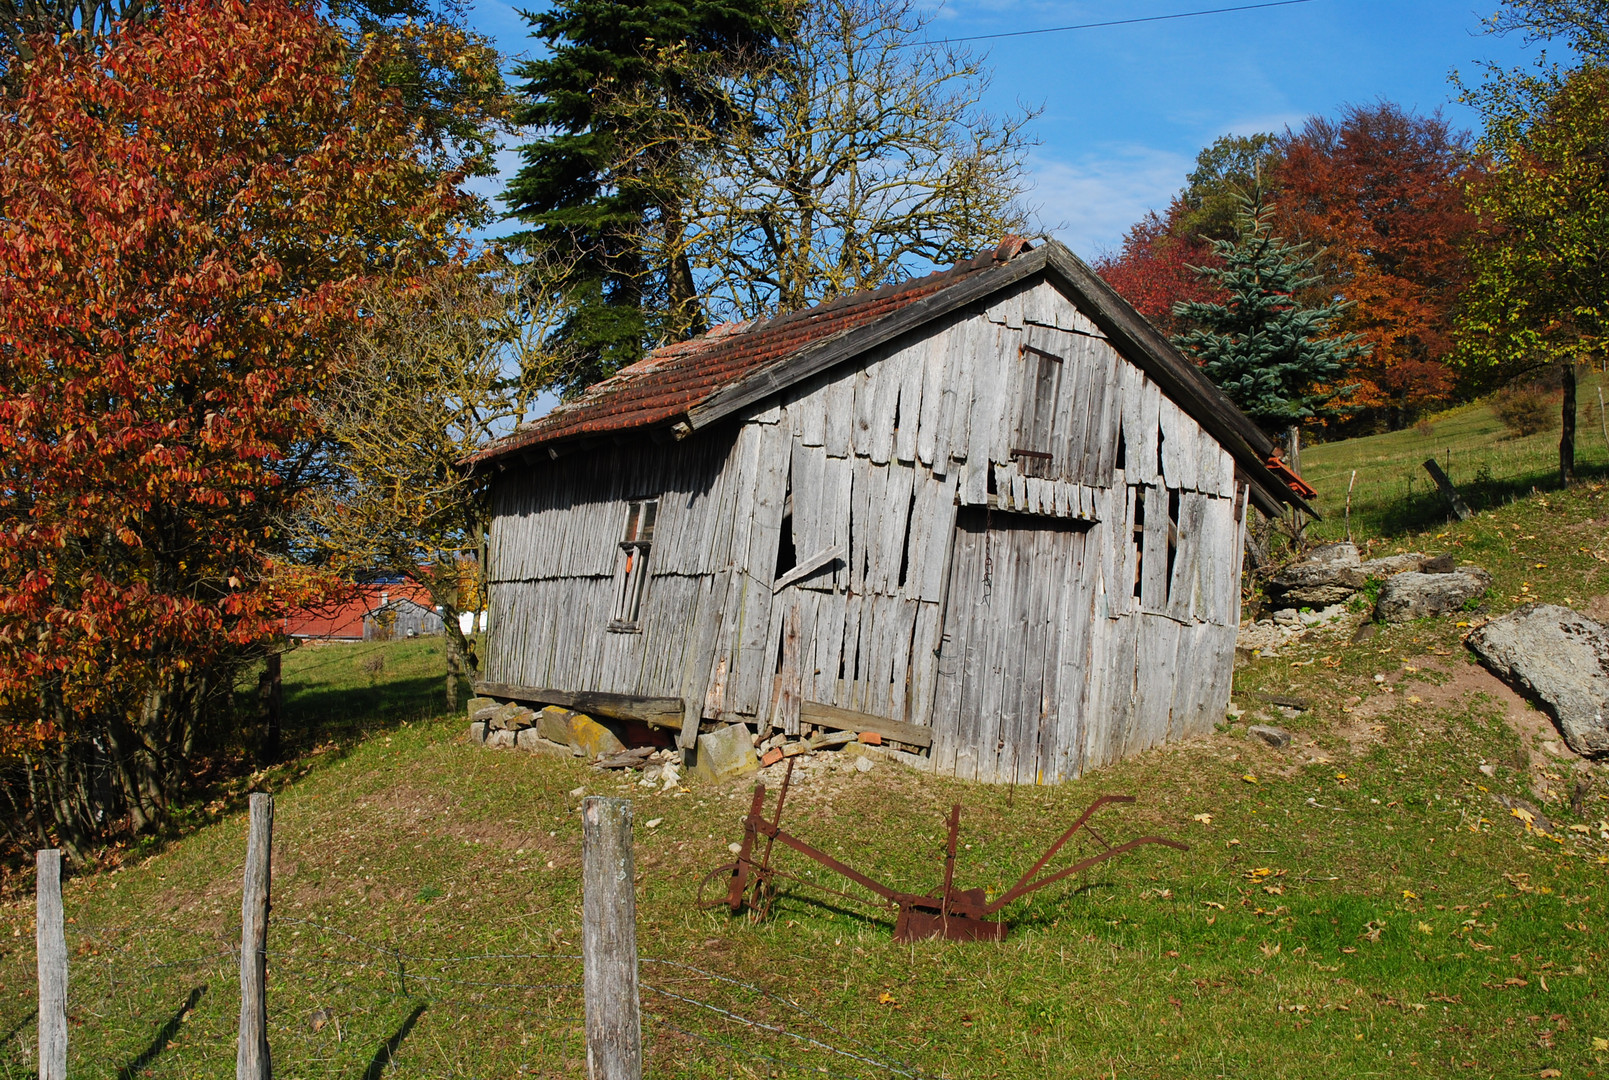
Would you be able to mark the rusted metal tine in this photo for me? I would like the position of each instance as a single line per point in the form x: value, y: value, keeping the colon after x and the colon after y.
x: 782, y: 796
x: 1022, y: 890
x: 740, y: 873
x: 949, y: 864
x: 1057, y: 846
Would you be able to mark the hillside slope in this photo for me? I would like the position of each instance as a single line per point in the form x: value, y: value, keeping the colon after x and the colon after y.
x: 1359, y: 904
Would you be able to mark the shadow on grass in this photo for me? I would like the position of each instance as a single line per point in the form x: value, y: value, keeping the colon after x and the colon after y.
x: 388, y: 1049
x: 24, y: 1022
x: 318, y: 715
x: 1424, y: 510
x: 164, y: 1036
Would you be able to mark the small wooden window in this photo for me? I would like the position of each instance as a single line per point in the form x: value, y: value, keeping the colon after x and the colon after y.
x: 1036, y: 422
x: 631, y: 565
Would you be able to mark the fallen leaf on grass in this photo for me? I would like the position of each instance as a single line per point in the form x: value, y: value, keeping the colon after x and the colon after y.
x: 1409, y: 894
x: 1550, y: 1072
x: 1600, y: 1044
x: 885, y: 998
x: 1205, y: 819
x: 1426, y: 928
x: 1249, y: 778
x: 1212, y: 904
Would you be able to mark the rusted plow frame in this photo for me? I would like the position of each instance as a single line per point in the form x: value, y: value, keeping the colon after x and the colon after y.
x: 949, y: 912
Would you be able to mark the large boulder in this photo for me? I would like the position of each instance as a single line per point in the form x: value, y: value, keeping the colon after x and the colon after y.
x: 1329, y: 575
x: 593, y: 739
x: 1559, y: 657
x: 724, y: 753
x: 1387, y: 565
x: 1417, y: 595
x: 553, y: 723
x: 531, y: 741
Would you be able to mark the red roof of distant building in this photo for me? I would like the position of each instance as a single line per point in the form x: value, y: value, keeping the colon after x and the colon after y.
x: 662, y: 386
x: 343, y: 620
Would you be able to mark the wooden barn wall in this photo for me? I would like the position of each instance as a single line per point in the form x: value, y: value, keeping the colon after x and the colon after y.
x: 1092, y: 610
x: 552, y: 554
x: 1100, y: 533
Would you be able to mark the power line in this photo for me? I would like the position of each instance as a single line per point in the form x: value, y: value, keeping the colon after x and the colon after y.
x: 1113, y: 22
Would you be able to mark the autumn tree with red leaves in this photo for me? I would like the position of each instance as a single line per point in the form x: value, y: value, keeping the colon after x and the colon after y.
x: 1380, y: 192
x: 1155, y: 269
x: 187, y: 210
x: 1378, y: 195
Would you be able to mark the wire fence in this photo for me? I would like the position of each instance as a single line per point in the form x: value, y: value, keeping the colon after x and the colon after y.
x: 157, y: 1000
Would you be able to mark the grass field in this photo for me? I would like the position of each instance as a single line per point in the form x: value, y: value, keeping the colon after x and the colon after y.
x: 338, y: 689
x: 1394, y: 494
x: 1358, y: 905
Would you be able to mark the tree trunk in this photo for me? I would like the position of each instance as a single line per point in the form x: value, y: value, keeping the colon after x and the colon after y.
x: 456, y: 650
x: 270, y: 697
x: 1567, y: 428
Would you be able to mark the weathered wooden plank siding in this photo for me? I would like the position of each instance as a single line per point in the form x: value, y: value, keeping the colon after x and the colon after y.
x: 1001, y: 530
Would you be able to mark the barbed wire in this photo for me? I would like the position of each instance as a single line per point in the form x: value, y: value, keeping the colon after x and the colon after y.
x: 758, y: 990
x: 116, y: 969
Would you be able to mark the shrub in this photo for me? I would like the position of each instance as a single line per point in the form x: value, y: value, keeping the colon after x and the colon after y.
x: 1425, y: 428
x: 1523, y: 410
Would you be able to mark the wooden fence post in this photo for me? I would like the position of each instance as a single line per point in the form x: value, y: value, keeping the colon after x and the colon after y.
x: 51, y: 944
x: 1449, y: 493
x: 252, y: 1061
x: 609, y: 941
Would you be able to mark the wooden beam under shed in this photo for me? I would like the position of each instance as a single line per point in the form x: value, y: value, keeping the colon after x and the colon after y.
x: 665, y: 712
x: 830, y: 716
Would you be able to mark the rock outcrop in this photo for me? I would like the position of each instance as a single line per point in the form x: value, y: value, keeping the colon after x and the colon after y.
x: 1419, y: 595
x: 1329, y: 575
x: 1560, y: 658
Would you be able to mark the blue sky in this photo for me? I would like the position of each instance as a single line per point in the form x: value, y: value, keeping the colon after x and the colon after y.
x: 1126, y: 108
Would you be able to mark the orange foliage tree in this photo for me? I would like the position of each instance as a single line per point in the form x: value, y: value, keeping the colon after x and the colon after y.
x: 1380, y: 192
x: 189, y: 207
x: 1379, y: 195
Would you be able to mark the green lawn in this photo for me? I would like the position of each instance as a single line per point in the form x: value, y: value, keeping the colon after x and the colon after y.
x: 1394, y: 494
x: 1359, y: 905
x: 340, y: 687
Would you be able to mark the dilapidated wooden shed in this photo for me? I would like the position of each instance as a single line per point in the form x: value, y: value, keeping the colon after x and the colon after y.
x: 989, y: 513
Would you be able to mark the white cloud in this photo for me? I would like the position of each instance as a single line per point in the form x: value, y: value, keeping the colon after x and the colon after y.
x: 1088, y: 204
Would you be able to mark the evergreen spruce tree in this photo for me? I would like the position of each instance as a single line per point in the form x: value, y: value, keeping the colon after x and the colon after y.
x: 595, y: 179
x: 1264, y: 347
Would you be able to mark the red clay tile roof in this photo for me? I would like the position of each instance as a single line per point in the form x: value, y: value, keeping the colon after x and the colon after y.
x: 342, y: 619
x: 664, y: 385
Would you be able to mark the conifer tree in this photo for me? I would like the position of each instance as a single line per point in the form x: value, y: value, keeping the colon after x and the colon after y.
x: 1266, y: 349
x: 596, y: 179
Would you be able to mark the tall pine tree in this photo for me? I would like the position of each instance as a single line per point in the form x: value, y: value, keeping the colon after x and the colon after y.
x: 1270, y: 352
x: 596, y: 179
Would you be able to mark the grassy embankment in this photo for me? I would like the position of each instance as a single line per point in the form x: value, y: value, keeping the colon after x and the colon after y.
x: 1394, y: 494
x: 1357, y: 905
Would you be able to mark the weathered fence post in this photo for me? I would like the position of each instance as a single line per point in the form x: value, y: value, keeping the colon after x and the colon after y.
x: 252, y: 1061
x: 609, y: 941
x: 50, y: 938
x: 1449, y: 493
